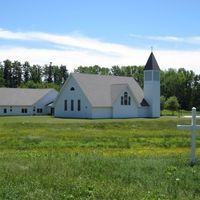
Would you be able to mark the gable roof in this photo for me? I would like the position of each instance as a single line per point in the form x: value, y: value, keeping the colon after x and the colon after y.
x: 151, y: 63
x: 116, y: 90
x: 102, y: 90
x: 21, y: 96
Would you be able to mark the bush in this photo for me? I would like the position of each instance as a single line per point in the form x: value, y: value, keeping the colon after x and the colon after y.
x: 172, y: 104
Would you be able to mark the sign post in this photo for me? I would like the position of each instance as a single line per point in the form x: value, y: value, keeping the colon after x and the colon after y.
x: 193, y: 127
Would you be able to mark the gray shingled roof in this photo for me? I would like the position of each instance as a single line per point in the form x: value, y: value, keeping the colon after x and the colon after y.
x: 151, y: 63
x: 21, y: 96
x: 116, y: 90
x: 102, y: 91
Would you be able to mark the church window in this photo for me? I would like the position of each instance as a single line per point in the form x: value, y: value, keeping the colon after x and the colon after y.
x: 72, y: 89
x: 39, y: 110
x: 129, y: 100
x: 65, y: 105
x: 24, y: 110
x: 79, y: 105
x: 72, y: 105
x: 125, y: 98
x: 122, y: 100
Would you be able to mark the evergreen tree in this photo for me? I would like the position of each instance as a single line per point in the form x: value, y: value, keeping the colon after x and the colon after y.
x: 57, y: 79
x: 26, y: 71
x: 7, y: 73
x: 64, y: 73
x: 2, y: 81
x: 16, y: 74
x: 48, y: 73
x: 36, y: 74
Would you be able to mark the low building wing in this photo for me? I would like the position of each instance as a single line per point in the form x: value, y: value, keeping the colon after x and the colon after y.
x: 20, y: 101
x: 21, y: 96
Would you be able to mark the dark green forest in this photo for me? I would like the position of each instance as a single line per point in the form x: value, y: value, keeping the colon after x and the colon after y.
x: 15, y: 74
x: 183, y: 84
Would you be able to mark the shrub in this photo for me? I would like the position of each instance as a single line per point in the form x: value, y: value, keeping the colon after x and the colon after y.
x: 172, y: 104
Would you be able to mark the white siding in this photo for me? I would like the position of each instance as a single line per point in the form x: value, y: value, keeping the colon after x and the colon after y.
x: 15, y: 110
x: 152, y: 92
x: 125, y: 111
x: 144, y: 111
x: 75, y: 95
x: 101, y: 113
x: 43, y: 102
x: 49, y: 110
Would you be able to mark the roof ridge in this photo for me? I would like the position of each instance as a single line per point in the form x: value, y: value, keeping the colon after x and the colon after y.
x: 8, y: 88
x: 101, y: 75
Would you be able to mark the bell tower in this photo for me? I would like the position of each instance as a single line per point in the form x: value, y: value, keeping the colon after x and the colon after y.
x: 152, y: 85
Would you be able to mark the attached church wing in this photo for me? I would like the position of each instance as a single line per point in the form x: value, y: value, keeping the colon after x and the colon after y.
x: 21, y: 96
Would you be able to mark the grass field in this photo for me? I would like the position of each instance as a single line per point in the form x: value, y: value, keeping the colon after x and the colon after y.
x: 48, y: 158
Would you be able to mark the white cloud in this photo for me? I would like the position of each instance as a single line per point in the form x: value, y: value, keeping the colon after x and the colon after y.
x: 185, y: 40
x: 74, y: 51
x: 189, y: 60
x: 71, y: 58
x: 5, y: 34
x: 66, y: 40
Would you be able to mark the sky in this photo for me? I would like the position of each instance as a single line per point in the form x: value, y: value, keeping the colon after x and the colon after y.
x: 101, y: 32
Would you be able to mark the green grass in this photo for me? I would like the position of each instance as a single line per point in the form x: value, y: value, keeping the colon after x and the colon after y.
x: 49, y: 158
x: 178, y: 113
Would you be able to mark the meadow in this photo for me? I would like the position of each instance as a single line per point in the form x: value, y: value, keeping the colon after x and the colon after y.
x: 48, y: 158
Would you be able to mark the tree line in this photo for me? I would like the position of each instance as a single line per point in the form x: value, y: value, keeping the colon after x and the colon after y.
x: 181, y: 83
x: 15, y: 74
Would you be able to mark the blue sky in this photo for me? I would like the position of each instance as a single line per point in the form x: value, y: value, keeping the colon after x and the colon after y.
x: 86, y: 32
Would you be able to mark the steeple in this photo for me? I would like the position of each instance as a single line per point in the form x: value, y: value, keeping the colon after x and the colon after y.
x: 152, y: 86
x: 151, y: 63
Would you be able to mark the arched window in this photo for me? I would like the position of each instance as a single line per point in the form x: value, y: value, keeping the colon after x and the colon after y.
x: 72, y: 89
x: 125, y: 98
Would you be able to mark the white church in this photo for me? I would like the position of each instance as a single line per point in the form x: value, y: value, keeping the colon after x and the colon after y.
x: 97, y: 96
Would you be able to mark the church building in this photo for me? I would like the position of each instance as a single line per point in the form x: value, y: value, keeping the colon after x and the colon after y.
x: 104, y: 96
